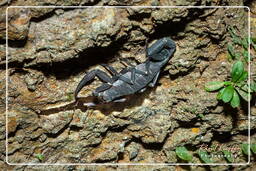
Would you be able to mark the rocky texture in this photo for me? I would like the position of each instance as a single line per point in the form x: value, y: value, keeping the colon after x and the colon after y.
x: 50, y: 50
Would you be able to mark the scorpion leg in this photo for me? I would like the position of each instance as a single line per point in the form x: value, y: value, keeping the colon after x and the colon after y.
x: 146, y: 47
x: 111, y: 69
x: 90, y: 104
x: 90, y: 76
x: 101, y: 88
x: 133, y: 71
x: 120, y: 100
x: 142, y: 90
x: 125, y: 62
x: 153, y: 83
x: 116, y: 74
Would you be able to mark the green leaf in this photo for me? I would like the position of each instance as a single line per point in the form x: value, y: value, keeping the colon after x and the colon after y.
x: 253, y: 39
x: 245, y: 42
x: 228, y: 155
x: 253, y: 86
x: 204, y: 156
x: 219, y: 95
x: 237, y: 70
x: 246, y: 55
x: 227, y: 83
x: 183, y: 153
x: 245, y: 148
x: 253, y: 148
x: 228, y: 93
x: 213, y: 85
x: 235, y: 102
x: 40, y: 156
x: 201, y: 115
x: 253, y: 43
x: 234, y: 36
x: 245, y: 88
x: 231, y: 51
x: 243, y: 94
x: 243, y: 77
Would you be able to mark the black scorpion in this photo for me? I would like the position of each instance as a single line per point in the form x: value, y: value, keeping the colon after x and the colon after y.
x: 132, y: 79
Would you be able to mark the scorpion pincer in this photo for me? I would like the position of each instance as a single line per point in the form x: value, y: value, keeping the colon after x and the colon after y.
x: 133, y: 78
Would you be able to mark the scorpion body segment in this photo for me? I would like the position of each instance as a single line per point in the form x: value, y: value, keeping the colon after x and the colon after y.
x: 134, y: 78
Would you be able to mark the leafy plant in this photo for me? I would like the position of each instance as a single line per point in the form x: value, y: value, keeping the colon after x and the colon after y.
x: 201, y: 115
x: 231, y: 91
x: 204, y: 156
x: 183, y: 153
x: 69, y: 96
x: 239, y: 46
x: 228, y: 155
x: 245, y: 148
x: 253, y: 148
x: 39, y: 156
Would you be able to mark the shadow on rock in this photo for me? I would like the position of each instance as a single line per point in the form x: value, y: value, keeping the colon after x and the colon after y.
x: 105, y: 108
x: 108, y: 108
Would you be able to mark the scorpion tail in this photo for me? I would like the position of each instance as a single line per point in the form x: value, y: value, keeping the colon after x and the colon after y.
x: 89, y: 77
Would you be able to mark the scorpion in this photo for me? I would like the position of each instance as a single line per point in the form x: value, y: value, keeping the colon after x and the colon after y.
x: 132, y: 79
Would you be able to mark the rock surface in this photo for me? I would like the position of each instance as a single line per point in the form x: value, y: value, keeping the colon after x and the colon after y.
x: 50, y: 50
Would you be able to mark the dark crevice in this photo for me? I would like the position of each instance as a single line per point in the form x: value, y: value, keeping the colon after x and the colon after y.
x: 16, y: 65
x: 216, y: 41
x: 104, y: 161
x: 2, y: 41
x: 253, y: 101
x: 244, y: 105
x: 91, y: 3
x: 245, y: 132
x: 248, y: 3
x: 120, y: 156
x: 139, y: 16
x: 171, y: 28
x: 45, y: 16
x: 228, y: 110
x: 87, y: 58
x: 222, y: 137
x: 225, y: 137
x: 12, y: 134
x: 118, y: 129
x: 73, y: 66
x: 17, y: 43
x: 75, y: 128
